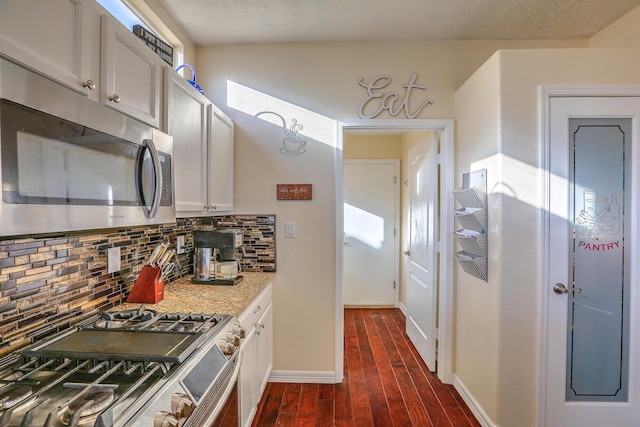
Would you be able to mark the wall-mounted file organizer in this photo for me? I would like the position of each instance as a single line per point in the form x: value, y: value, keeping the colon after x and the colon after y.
x: 472, y: 217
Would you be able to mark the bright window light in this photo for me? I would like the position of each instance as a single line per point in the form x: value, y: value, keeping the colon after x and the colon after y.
x: 363, y: 226
x: 274, y: 110
x: 122, y: 13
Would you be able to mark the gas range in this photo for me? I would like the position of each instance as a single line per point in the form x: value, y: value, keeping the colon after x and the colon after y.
x: 133, y: 367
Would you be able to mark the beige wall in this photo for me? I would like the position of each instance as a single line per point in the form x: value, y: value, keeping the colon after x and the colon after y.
x: 371, y: 146
x: 477, y: 302
x: 625, y: 32
x: 316, y: 84
x: 501, y: 316
x: 161, y: 19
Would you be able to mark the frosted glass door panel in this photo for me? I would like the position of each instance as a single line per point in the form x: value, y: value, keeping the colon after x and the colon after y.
x: 598, y: 311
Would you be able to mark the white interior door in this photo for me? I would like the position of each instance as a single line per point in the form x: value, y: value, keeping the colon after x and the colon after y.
x: 592, y: 376
x: 370, y: 253
x: 422, y: 287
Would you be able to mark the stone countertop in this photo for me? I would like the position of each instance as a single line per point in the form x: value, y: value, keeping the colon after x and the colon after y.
x: 185, y: 297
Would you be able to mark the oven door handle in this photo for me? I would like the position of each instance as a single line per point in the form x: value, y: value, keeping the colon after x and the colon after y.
x: 147, y: 144
x: 224, y: 396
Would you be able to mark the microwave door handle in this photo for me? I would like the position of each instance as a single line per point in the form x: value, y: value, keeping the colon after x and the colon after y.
x: 157, y: 194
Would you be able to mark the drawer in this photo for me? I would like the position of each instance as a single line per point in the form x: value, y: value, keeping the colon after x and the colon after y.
x: 252, y: 313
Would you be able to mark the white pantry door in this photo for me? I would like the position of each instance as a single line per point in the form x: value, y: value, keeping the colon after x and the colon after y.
x: 422, y: 289
x: 370, y: 254
x: 592, y: 292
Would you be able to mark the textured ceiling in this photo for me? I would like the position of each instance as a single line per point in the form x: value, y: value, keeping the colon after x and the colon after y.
x: 281, y: 21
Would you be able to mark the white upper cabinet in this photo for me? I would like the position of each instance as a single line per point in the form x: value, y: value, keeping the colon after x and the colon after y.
x: 202, y: 149
x: 57, y: 38
x: 185, y: 118
x: 130, y: 77
x: 80, y: 45
x: 221, y: 161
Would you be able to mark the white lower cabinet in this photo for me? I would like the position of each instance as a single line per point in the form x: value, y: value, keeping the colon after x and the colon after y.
x: 257, y: 355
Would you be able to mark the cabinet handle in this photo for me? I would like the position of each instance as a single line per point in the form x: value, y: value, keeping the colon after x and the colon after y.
x: 257, y: 310
x: 89, y: 84
x: 115, y: 98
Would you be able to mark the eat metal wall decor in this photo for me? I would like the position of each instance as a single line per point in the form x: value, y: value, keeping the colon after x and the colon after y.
x: 377, y: 101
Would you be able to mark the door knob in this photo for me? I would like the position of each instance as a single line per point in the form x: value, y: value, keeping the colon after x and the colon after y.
x: 407, y: 253
x: 560, y: 289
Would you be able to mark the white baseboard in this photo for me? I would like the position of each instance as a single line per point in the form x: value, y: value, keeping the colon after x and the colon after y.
x: 473, y: 405
x: 403, y: 309
x: 314, y: 377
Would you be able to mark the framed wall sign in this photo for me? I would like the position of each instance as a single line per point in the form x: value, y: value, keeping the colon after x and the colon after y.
x: 294, y: 191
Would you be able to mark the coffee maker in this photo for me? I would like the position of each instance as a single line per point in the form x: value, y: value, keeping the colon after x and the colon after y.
x: 215, y: 258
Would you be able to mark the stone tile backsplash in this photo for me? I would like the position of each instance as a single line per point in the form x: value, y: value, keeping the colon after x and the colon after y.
x: 48, y: 284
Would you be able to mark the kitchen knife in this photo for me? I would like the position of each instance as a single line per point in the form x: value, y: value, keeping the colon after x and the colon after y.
x: 166, y: 258
x: 157, y: 253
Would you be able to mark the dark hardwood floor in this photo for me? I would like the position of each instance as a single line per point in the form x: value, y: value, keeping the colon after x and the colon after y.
x: 385, y: 383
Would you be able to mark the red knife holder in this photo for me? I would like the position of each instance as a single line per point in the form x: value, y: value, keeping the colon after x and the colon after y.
x: 148, y: 287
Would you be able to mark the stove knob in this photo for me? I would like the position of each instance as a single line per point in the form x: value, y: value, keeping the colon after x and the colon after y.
x: 233, y: 339
x: 239, y: 331
x: 227, y: 348
x: 181, y: 405
x: 165, y: 419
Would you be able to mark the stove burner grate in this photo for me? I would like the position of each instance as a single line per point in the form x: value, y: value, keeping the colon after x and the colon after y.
x: 85, y: 408
x: 14, y: 395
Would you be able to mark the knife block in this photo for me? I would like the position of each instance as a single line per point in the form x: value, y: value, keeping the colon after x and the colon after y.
x: 148, y: 287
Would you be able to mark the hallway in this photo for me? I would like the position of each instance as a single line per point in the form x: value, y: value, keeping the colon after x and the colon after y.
x: 385, y: 384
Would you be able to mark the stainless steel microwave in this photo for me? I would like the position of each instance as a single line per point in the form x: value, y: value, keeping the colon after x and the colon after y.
x: 69, y: 163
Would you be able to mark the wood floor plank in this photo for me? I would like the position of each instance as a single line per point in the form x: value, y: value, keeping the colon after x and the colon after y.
x: 386, y: 383
x: 287, y: 419
x: 457, y: 417
x: 325, y: 413
x: 291, y: 397
x: 377, y: 398
x: 343, y: 403
x: 271, y: 407
x: 308, y: 401
x: 418, y: 411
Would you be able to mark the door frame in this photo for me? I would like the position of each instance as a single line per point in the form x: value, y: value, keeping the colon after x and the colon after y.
x: 396, y: 222
x: 546, y: 94
x: 445, y: 299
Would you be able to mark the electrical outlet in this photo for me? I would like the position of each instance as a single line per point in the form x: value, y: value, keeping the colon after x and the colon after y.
x: 180, y: 245
x: 113, y: 260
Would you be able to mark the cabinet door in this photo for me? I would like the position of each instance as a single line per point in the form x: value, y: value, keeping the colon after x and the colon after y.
x: 57, y: 38
x: 220, y: 161
x: 185, y: 120
x: 247, y: 383
x: 264, y: 347
x: 130, y: 78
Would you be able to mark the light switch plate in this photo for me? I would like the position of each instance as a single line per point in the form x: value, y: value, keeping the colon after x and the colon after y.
x: 290, y: 229
x: 113, y: 260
